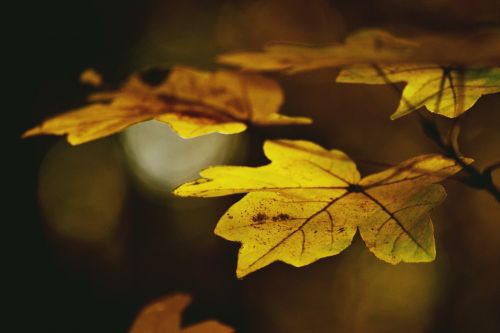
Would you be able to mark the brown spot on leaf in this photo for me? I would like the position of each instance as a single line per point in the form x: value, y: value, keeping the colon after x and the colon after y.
x: 201, y: 181
x: 281, y: 217
x: 259, y: 218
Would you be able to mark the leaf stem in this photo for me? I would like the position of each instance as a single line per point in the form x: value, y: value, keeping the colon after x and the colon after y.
x: 451, y: 148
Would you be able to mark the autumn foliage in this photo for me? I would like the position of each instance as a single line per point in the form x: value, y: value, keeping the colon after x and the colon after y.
x: 309, y: 201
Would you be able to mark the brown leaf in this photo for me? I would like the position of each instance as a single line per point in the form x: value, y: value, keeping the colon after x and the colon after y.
x: 361, y: 47
x: 192, y: 102
x: 91, y: 77
x: 164, y: 316
x: 372, y: 46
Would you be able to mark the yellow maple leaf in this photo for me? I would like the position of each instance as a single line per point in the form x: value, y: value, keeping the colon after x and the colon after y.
x: 164, y: 316
x: 308, y: 203
x: 377, y: 57
x: 192, y: 102
x: 442, y: 90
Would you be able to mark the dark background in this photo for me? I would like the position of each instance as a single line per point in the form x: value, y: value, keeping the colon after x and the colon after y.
x: 64, y: 285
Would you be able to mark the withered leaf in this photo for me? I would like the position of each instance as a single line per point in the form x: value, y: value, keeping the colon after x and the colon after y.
x: 192, y: 102
x: 373, y: 46
x: 91, y: 77
x: 309, y: 202
x: 364, y: 46
x: 164, y: 316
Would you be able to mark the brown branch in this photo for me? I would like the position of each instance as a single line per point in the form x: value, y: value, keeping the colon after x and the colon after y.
x: 450, y: 147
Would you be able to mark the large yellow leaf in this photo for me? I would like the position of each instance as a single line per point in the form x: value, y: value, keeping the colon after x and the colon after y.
x: 192, y: 102
x: 443, y: 90
x: 308, y: 203
x: 164, y: 316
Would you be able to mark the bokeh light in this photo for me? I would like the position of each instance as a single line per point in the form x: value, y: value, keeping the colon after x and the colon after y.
x: 82, y: 190
x: 119, y: 244
x: 161, y: 160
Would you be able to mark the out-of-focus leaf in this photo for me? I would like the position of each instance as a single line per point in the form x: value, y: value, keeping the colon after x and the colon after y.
x: 91, y: 77
x: 308, y: 203
x: 372, y: 46
x: 164, y: 316
x: 443, y: 90
x: 477, y: 48
x: 361, y: 47
x: 192, y: 102
x: 439, y: 74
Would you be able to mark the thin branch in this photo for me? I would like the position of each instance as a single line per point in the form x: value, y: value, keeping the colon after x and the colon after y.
x: 474, y: 178
x: 492, y: 167
x: 450, y: 147
x: 453, y: 135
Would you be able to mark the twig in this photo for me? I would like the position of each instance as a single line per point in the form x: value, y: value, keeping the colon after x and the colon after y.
x: 450, y: 147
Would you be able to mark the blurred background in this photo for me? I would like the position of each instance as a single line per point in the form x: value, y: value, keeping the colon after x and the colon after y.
x: 97, y: 234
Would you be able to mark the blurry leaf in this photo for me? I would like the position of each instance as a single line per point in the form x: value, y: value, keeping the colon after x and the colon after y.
x: 377, y: 57
x: 308, y: 203
x: 165, y: 316
x: 192, y: 102
x: 476, y: 48
x: 372, y: 46
x: 91, y: 77
x: 361, y: 47
x: 443, y: 90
